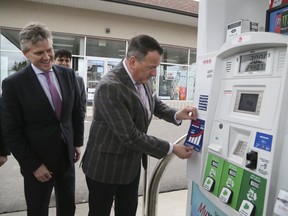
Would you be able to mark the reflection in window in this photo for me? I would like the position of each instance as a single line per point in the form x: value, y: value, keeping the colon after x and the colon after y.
x: 175, y: 55
x: 11, y: 62
x: 95, y: 71
x: 112, y: 63
x: 68, y: 42
x: 192, y: 57
x: 9, y: 40
x: 105, y: 48
x: 172, y: 82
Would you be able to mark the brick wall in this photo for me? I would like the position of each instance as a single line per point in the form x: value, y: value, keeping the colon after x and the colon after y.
x: 189, y: 6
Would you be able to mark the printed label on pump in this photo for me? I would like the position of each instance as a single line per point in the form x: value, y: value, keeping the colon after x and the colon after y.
x: 263, y: 141
x: 281, y: 205
x: 195, y: 134
x: 246, y: 208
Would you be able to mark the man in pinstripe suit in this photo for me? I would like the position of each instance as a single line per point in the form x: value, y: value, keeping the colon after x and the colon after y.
x: 118, y: 138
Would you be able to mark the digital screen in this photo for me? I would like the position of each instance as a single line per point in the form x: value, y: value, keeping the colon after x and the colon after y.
x: 232, y: 173
x: 248, y: 102
x: 278, y: 22
x: 253, y: 62
x: 214, y: 163
x: 254, y: 184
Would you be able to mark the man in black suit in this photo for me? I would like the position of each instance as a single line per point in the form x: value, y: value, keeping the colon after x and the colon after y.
x: 123, y: 109
x: 63, y: 57
x: 43, y: 123
x: 3, y: 149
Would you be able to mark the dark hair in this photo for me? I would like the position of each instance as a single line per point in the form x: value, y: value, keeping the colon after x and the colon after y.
x: 140, y: 45
x: 63, y: 53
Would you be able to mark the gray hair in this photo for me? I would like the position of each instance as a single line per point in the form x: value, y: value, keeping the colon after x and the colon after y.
x: 32, y: 33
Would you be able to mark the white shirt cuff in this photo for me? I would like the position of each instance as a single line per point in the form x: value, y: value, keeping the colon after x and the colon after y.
x: 176, y: 120
x: 170, y: 148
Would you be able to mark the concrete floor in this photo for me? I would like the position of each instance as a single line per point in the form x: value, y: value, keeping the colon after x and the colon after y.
x: 11, y: 182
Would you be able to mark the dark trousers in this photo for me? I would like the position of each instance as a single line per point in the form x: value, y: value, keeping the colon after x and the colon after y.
x: 38, y: 194
x: 101, y: 197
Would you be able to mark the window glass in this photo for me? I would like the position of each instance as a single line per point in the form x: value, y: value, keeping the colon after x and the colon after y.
x: 105, y: 48
x: 9, y: 40
x: 175, y: 55
x: 11, y: 62
x: 172, y: 82
x: 68, y: 42
x: 192, y: 57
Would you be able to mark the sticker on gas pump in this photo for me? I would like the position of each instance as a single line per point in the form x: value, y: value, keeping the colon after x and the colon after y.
x: 195, y: 134
x: 203, y: 102
x: 263, y: 167
x: 246, y: 208
x: 263, y: 141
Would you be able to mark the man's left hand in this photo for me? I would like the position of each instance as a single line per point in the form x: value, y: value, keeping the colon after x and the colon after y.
x: 77, y: 153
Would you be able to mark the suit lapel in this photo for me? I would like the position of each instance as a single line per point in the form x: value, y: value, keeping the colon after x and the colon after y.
x: 38, y: 93
x: 125, y: 78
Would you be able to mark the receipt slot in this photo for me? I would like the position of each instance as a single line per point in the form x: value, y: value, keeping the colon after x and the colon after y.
x: 245, y: 85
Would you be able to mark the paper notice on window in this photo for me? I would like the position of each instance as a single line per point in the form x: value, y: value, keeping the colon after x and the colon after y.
x: 281, y: 205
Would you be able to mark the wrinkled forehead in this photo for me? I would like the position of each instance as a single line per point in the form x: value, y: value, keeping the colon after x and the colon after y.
x: 63, y: 58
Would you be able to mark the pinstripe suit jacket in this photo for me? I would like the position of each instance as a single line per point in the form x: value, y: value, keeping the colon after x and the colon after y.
x: 118, y: 136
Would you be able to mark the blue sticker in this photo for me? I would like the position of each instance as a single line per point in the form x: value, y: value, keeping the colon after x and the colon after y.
x: 263, y: 141
x: 203, y: 102
x: 194, y: 137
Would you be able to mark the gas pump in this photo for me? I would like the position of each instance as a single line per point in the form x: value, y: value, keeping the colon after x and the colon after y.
x: 242, y: 97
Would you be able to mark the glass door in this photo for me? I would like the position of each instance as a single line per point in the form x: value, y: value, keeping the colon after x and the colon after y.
x: 96, y: 69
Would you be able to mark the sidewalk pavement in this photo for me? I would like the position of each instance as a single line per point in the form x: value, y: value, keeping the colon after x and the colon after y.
x: 169, y: 204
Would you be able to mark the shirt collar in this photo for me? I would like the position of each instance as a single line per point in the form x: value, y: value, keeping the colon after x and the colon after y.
x: 129, y: 73
x: 37, y: 70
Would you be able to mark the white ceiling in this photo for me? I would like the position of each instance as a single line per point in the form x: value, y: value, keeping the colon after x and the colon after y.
x: 116, y: 8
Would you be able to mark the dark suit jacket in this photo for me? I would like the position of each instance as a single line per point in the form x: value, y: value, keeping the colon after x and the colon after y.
x: 31, y: 129
x: 3, y: 148
x: 82, y: 92
x: 118, y: 136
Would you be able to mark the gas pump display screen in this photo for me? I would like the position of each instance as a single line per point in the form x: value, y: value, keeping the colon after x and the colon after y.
x: 248, y: 102
x: 253, y: 62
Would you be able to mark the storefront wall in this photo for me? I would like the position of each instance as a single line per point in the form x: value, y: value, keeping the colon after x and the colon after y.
x: 14, y: 14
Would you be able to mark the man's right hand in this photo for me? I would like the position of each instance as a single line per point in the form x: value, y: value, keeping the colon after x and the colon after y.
x: 3, y: 160
x: 42, y: 174
x: 182, y: 152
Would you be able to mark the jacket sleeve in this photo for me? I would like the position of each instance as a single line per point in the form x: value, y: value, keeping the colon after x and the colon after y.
x: 120, y: 116
x: 78, y: 114
x: 3, y: 149
x: 13, y: 128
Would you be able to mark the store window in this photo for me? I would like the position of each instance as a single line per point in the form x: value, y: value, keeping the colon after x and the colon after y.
x: 12, y: 58
x: 175, y: 55
x: 69, y: 42
x: 172, y: 82
x: 175, y: 78
x: 105, y: 48
x: 192, y: 56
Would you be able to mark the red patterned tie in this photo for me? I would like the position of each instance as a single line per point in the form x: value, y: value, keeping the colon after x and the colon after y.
x: 57, y: 103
